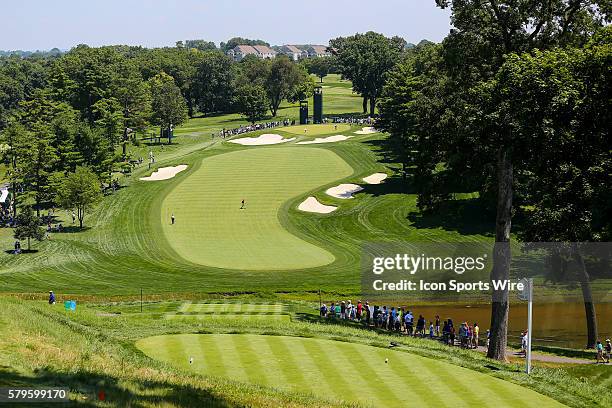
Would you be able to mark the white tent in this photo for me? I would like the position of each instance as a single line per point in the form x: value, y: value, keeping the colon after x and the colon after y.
x: 3, y: 195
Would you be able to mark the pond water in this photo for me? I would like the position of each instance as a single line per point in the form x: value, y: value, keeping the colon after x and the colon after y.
x: 554, y: 324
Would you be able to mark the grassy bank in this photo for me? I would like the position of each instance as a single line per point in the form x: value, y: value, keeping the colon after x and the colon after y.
x: 91, y: 349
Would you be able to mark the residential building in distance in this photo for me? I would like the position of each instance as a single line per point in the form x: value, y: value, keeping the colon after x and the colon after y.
x: 239, y: 52
x: 318, y: 51
x: 293, y: 52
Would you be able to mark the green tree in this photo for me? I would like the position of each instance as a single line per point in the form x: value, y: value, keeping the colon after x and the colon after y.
x: 365, y: 59
x: 401, y: 105
x: 470, y: 130
x: 28, y: 227
x: 320, y: 67
x: 110, y: 119
x: 213, y: 82
x: 233, y: 42
x: 179, y: 63
x: 18, y: 154
x: 201, y: 45
x: 284, y: 80
x: 134, y: 96
x: 253, y: 102
x: 79, y: 191
x: 560, y: 98
x: 169, y: 107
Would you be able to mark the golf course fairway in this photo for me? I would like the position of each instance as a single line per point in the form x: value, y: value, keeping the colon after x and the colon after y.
x: 333, y: 369
x: 211, y: 228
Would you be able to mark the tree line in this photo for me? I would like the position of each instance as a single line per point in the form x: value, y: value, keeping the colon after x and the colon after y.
x: 513, y: 105
x: 83, y: 108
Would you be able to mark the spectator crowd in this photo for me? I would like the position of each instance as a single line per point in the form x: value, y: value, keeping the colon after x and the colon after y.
x: 401, y: 320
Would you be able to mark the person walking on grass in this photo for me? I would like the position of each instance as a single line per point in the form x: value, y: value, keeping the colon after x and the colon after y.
x: 242, y: 207
x: 599, y: 349
x: 172, y: 219
x: 51, y: 298
x: 608, y: 349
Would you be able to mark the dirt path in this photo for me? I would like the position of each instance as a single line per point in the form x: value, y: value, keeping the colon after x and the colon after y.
x: 546, y: 358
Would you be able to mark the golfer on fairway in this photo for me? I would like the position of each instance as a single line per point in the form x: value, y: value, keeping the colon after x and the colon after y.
x: 51, y: 298
x: 172, y: 218
x: 242, y: 206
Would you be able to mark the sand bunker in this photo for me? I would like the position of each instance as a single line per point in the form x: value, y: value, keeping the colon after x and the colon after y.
x: 344, y: 191
x: 366, y: 131
x: 330, y: 139
x: 165, y: 173
x: 375, y: 178
x: 265, y: 139
x: 311, y: 204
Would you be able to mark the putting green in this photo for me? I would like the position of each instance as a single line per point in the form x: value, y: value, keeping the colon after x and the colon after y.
x: 332, y: 369
x: 212, y: 230
x: 316, y: 130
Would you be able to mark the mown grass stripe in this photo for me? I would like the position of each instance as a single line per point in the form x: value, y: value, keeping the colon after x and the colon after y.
x: 361, y: 363
x: 485, y: 396
x: 192, y: 346
x: 249, y: 360
x: 289, y: 365
x: 316, y: 380
x: 354, y: 386
x: 328, y: 370
x: 178, y: 351
x: 214, y: 355
x: 285, y: 374
x: 445, y: 384
x: 422, y: 393
x: 431, y: 375
x: 345, y: 371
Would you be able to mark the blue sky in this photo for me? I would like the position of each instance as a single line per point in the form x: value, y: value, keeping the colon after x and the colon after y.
x: 44, y: 24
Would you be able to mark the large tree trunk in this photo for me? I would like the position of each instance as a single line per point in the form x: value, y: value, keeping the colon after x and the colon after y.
x: 14, y: 200
x: 365, y: 104
x: 501, y: 257
x: 372, y: 106
x: 587, y: 295
x: 190, y: 107
x: 124, y: 142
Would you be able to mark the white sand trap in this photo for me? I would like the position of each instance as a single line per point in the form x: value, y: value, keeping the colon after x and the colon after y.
x: 165, y: 173
x: 344, y: 191
x: 330, y: 139
x: 311, y: 204
x: 265, y: 139
x: 366, y: 131
x: 375, y: 178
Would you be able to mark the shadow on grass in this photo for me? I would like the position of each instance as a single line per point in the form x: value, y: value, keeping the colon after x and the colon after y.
x: 91, y: 388
x: 23, y: 251
x: 392, y: 185
x: 466, y: 217
x: 73, y: 229
x: 384, y: 148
